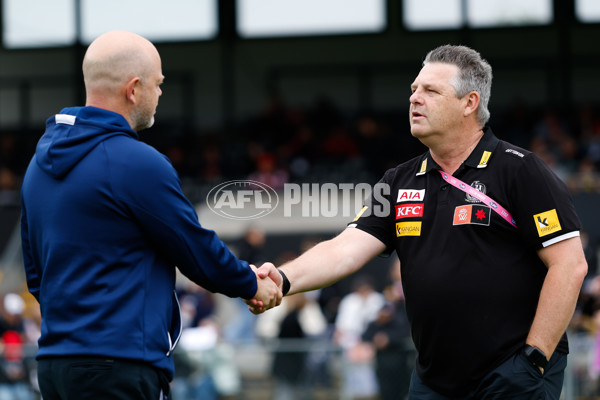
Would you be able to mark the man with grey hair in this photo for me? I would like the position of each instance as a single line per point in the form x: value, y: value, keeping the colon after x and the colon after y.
x: 475, y: 74
x: 488, y: 242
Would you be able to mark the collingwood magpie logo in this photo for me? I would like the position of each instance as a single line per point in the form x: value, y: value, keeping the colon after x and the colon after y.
x: 480, y: 187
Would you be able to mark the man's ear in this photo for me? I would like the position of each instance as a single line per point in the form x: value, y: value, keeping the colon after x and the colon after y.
x: 131, y: 88
x: 472, y: 103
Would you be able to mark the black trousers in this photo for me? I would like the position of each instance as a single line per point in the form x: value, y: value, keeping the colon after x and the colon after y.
x: 99, y: 378
x: 515, y: 379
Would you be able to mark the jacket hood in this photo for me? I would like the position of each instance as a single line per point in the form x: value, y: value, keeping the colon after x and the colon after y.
x: 73, y: 133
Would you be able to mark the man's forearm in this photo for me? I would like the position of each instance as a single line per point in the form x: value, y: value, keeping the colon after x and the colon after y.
x: 331, y: 260
x: 319, y: 267
x: 557, y: 303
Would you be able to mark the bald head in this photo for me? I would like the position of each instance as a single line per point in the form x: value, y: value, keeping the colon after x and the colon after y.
x: 114, y: 58
x: 116, y: 66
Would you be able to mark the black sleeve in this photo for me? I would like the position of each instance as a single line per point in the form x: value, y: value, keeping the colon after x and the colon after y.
x: 542, y: 204
x: 375, y: 216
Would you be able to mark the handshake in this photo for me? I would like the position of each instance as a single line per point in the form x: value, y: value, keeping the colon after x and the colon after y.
x: 269, y: 292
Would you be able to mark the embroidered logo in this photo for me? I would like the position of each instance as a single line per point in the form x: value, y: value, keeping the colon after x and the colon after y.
x: 410, y: 195
x: 409, y: 210
x: 411, y: 228
x: 472, y: 214
x: 484, y: 159
x: 478, y: 186
x: 547, y: 222
x: 517, y: 153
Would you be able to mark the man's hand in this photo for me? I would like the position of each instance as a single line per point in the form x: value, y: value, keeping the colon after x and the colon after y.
x: 322, y: 265
x: 269, y: 270
x: 268, y: 294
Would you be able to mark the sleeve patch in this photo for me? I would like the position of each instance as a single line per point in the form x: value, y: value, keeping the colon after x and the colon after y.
x: 547, y: 222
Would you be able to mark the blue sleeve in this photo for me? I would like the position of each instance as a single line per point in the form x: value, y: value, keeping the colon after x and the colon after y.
x: 32, y: 272
x: 146, y: 182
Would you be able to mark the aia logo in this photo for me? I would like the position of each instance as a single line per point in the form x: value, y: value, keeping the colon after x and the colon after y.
x: 410, y: 195
x: 409, y: 210
x: 242, y: 199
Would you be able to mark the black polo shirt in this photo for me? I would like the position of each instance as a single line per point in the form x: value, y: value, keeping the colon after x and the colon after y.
x: 472, y: 280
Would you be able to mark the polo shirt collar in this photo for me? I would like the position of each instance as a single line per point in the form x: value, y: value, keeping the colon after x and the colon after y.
x: 479, y: 157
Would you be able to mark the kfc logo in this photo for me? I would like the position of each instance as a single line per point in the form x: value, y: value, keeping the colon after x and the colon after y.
x: 409, y: 210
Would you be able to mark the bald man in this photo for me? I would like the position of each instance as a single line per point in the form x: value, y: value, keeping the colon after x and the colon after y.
x: 104, y: 226
x: 122, y: 73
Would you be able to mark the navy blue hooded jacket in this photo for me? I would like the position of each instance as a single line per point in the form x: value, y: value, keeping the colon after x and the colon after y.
x: 104, y: 224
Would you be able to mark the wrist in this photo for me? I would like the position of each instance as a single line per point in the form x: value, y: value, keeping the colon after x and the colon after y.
x: 536, y: 356
x: 285, y: 286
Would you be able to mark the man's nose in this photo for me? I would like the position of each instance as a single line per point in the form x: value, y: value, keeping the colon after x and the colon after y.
x: 415, y: 97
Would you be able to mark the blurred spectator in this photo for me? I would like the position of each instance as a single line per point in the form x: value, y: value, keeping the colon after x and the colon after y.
x: 176, y: 155
x: 339, y: 145
x: 389, y: 335
x: 586, y: 178
x: 298, y: 317
x: 312, y: 320
x: 551, y: 127
x: 211, y: 169
x: 32, y: 322
x: 251, y: 245
x: 207, y: 364
x: 515, y: 126
x: 553, y: 141
x: 196, y: 303
x: 14, y: 371
x: 376, y: 147
x: 329, y: 297
x: 591, y: 291
x: 589, y: 127
x: 356, y: 311
x: 269, y: 172
x: 238, y: 324
x: 590, y: 249
x: 289, y: 366
x: 9, y: 191
x: 272, y: 126
x: 13, y: 307
x: 301, y: 151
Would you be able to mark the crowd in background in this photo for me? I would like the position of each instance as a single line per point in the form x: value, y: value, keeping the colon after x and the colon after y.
x: 320, y: 143
x: 315, y: 144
